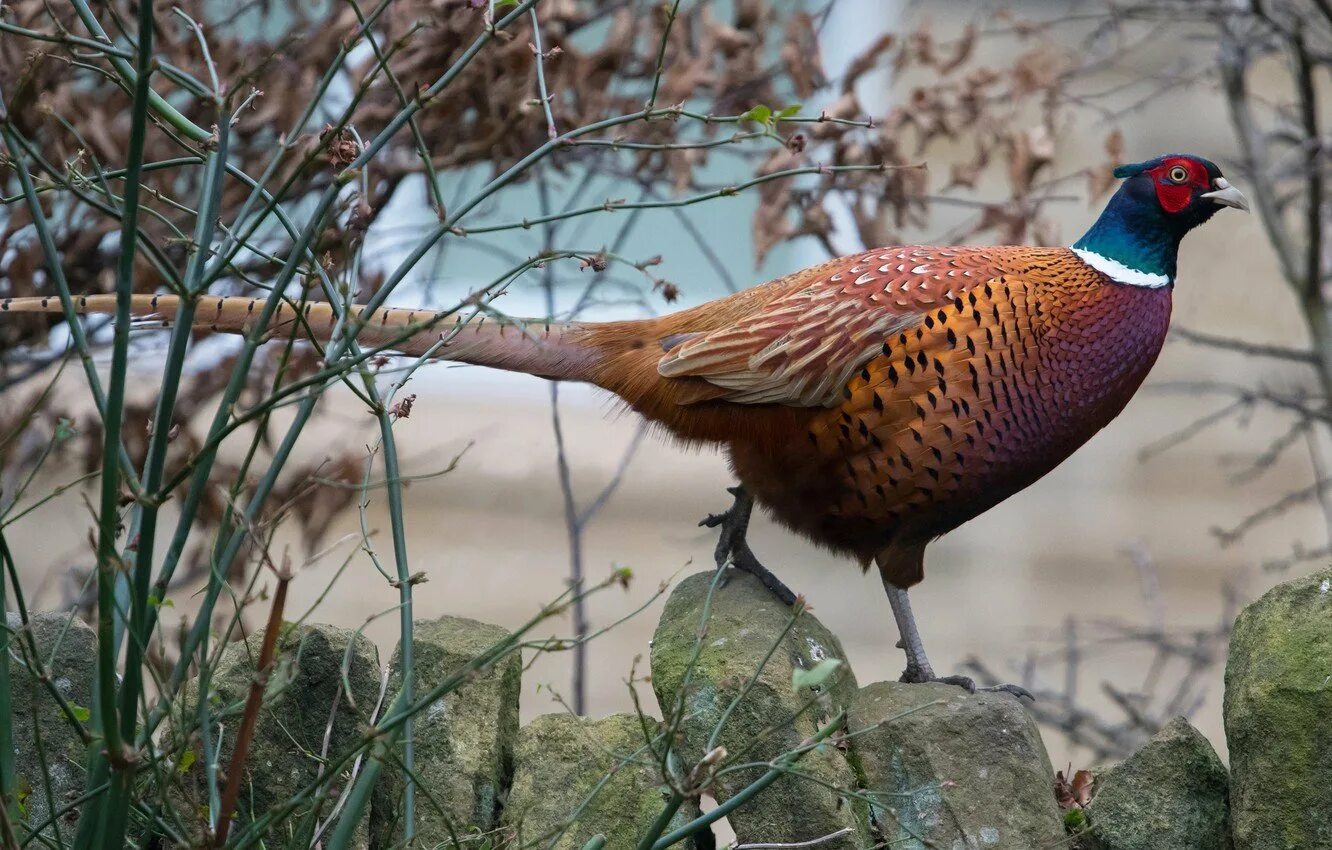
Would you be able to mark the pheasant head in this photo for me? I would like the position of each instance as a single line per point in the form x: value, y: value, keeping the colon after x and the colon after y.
x: 1136, y: 239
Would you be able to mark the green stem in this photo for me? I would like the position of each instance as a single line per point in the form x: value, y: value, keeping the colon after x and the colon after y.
x: 112, y: 810
x: 392, y: 472
x: 76, y: 804
x: 398, y: 528
x: 751, y: 790
x: 143, y: 615
x: 51, y: 255
x: 753, y: 680
x: 230, y: 248
x: 662, y: 821
x: 161, y: 264
x: 131, y: 76
x: 385, y: 732
x: 114, y: 173
x: 44, y: 765
x: 661, y: 53
x: 422, y: 150
x: 229, y: 547
x: 8, y: 789
x: 358, y: 800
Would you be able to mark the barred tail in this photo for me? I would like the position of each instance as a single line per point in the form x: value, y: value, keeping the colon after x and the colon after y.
x: 555, y: 350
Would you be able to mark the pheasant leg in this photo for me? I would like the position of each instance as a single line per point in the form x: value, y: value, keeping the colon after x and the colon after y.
x: 918, y: 667
x: 733, y: 548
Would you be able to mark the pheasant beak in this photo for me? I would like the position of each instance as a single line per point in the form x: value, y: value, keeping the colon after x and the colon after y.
x: 1227, y: 195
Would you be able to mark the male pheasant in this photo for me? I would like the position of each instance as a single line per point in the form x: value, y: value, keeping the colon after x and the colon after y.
x: 874, y: 402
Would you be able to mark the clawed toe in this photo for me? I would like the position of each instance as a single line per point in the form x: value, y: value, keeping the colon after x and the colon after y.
x: 733, y: 550
x: 966, y: 683
x: 714, y: 520
x: 915, y: 676
x: 1016, y: 690
x: 738, y: 511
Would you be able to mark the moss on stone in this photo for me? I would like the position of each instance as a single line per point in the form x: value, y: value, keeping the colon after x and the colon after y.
x: 68, y: 648
x: 560, y: 783
x: 304, y: 704
x: 1277, y: 708
x: 1170, y: 793
x: 746, y: 623
x: 464, y: 741
x: 953, y: 769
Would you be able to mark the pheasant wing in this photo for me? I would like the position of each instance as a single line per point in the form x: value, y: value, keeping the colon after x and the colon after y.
x: 801, y: 348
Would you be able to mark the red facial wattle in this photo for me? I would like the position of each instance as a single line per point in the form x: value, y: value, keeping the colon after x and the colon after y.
x: 1175, y: 196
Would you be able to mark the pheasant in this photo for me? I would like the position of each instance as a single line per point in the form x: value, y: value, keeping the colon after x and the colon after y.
x: 871, y: 403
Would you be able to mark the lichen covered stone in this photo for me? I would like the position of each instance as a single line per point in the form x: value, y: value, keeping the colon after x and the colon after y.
x: 951, y: 769
x: 463, y: 742
x: 750, y: 651
x: 68, y: 650
x: 307, y: 716
x: 1171, y: 793
x: 1278, y: 708
x: 559, y: 799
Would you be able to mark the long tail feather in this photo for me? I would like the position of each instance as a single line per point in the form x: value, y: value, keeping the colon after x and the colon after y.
x: 555, y: 350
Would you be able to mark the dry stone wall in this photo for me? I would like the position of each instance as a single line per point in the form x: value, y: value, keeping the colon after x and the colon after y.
x: 746, y: 697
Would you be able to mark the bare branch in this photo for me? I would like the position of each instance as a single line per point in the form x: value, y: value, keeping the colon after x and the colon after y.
x: 1253, y: 349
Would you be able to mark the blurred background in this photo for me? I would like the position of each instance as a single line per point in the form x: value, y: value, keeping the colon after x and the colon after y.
x: 1107, y: 587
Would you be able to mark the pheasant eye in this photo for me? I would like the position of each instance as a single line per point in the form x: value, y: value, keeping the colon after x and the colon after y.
x: 1178, y: 174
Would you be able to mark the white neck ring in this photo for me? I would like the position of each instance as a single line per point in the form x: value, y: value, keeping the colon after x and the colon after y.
x: 1120, y: 273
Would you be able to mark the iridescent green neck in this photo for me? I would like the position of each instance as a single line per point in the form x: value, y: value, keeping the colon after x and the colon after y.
x: 1151, y: 252
x: 1134, y: 237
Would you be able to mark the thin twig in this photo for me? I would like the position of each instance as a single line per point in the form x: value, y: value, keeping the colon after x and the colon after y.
x: 1279, y: 352
x: 792, y: 845
x: 1307, y: 91
x: 253, y: 701
x: 661, y: 52
x: 551, y: 130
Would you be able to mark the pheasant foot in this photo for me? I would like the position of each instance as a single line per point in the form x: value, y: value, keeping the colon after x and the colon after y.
x: 918, y: 669
x: 966, y: 683
x: 733, y: 548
